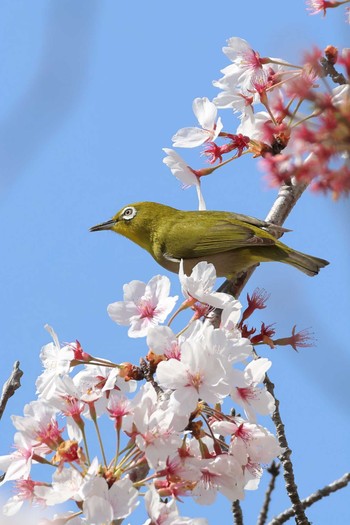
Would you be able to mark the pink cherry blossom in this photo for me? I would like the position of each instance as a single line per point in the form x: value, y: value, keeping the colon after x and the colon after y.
x: 248, y: 394
x: 316, y: 6
x: 198, y: 375
x: 144, y: 305
x: 223, y: 474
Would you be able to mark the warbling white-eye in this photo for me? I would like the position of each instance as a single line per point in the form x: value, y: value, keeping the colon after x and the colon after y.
x: 232, y: 242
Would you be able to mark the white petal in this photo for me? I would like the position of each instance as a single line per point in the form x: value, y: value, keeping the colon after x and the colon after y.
x: 201, y: 202
x: 158, y: 288
x: 121, y: 312
x: 133, y: 291
x: 205, y: 112
x: 97, y: 510
x: 179, y: 168
x: 190, y: 137
x: 236, y: 46
x: 256, y: 370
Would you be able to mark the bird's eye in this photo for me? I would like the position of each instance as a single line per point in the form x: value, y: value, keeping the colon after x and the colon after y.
x: 129, y: 213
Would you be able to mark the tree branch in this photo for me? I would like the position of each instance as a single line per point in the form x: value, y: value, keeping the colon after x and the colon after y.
x: 11, y: 385
x: 329, y: 70
x: 237, y: 512
x: 288, y: 472
x: 316, y: 496
x: 274, y: 470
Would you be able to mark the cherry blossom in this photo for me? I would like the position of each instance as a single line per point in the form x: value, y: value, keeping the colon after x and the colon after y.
x: 65, y: 485
x: 103, y: 504
x: 316, y: 6
x: 144, y: 305
x: 162, y: 340
x: 118, y: 407
x: 39, y: 423
x: 246, y: 78
x: 156, y: 428
x: 162, y: 513
x: 56, y: 361
x: 248, y: 394
x: 206, y: 113
x: 197, y: 375
x: 199, y: 285
x: 248, y: 440
x: 184, y: 174
x: 223, y: 474
x: 24, y: 493
x: 18, y: 464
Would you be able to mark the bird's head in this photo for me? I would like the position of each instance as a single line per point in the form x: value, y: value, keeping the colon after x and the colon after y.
x: 135, y: 221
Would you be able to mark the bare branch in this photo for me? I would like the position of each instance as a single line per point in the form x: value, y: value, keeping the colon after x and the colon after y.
x: 11, y: 385
x: 316, y: 496
x: 237, y: 513
x: 288, y: 472
x: 274, y: 470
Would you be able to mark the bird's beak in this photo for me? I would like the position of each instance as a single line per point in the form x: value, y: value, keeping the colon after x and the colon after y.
x: 108, y: 225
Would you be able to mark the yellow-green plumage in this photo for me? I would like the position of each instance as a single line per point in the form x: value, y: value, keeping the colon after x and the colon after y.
x: 232, y: 242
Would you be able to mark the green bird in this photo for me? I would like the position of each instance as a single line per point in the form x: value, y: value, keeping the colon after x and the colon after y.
x: 231, y: 241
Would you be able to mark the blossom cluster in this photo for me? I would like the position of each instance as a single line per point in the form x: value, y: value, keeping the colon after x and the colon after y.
x: 289, y: 116
x: 173, y: 437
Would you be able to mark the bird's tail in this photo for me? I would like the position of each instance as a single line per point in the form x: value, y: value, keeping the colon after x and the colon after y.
x: 306, y: 263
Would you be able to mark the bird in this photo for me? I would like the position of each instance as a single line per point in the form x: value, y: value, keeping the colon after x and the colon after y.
x: 232, y: 242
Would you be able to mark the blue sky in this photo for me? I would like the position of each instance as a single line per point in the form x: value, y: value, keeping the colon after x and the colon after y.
x: 90, y: 94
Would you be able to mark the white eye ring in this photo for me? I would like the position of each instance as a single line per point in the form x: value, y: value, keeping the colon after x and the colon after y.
x: 129, y: 213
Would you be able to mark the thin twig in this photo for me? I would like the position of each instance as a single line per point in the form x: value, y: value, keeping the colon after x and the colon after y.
x: 288, y: 472
x: 274, y: 470
x: 11, y: 385
x: 316, y: 496
x: 237, y: 513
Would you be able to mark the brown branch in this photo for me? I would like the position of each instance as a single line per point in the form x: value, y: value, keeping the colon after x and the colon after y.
x: 288, y: 472
x: 274, y: 470
x: 237, y: 512
x: 330, y: 71
x: 316, y: 496
x: 11, y: 385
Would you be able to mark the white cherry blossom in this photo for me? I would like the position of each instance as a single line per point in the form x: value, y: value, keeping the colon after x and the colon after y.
x: 144, y: 305
x: 246, y: 391
x: 200, y: 285
x: 206, y: 113
x: 198, y: 375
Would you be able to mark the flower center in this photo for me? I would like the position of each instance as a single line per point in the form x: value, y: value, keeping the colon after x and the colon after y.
x: 146, y: 310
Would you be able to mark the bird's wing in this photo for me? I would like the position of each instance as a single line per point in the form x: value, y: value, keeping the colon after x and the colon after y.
x: 223, y: 236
